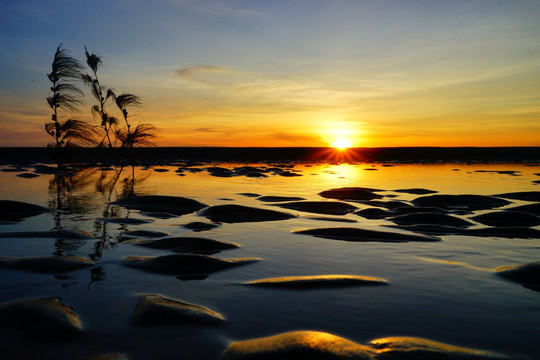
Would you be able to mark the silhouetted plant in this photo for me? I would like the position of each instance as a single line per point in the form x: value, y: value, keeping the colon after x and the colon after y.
x: 142, y: 135
x: 101, y: 93
x: 66, y: 97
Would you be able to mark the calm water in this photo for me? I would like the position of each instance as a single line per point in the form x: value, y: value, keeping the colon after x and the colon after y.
x: 444, y: 291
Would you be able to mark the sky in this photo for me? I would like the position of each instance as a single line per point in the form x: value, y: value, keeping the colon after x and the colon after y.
x: 366, y: 73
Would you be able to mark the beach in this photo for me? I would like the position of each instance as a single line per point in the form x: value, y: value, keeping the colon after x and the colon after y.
x: 181, y: 253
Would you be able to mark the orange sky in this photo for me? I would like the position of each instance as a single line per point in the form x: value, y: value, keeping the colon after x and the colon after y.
x: 304, y: 73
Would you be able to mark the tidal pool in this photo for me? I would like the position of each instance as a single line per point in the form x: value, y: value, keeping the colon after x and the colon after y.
x: 445, y: 290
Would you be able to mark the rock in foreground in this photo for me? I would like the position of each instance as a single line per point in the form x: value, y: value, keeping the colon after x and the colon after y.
x: 464, y: 202
x: 188, y: 244
x: 178, y: 264
x: 361, y: 235
x: 176, y: 205
x: 351, y: 193
x: 319, y: 345
x: 160, y: 309
x: 40, y: 317
x: 18, y: 210
x: 239, y: 213
x: 317, y: 281
x: 524, y: 273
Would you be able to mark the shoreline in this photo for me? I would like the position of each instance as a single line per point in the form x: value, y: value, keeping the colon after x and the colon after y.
x: 168, y: 155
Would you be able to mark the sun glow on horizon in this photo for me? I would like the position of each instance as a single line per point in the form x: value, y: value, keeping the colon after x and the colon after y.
x: 342, y: 143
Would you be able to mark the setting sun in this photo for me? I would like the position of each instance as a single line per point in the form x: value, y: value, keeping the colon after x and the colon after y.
x: 342, y: 143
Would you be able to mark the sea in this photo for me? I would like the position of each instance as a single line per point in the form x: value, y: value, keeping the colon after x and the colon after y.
x: 447, y: 290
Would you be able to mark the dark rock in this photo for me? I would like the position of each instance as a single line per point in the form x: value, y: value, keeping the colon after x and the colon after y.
x: 317, y: 281
x: 142, y: 233
x: 188, y: 244
x: 155, y: 203
x: 529, y: 208
x: 27, y: 175
x: 46, y: 318
x: 319, y: 345
x: 17, y: 210
x: 189, y: 277
x: 239, y: 213
x: 161, y: 170
x: 417, y: 209
x: 465, y: 202
x: 361, y: 235
x: 524, y: 273
x: 351, y: 193
x: 279, y: 198
x: 152, y: 309
x: 320, y: 207
x: 505, y: 232
x: 373, y: 213
x: 523, y: 195
x: 179, y: 264
x: 249, y: 194
x: 127, y: 221
x: 430, y: 219
x: 200, y: 226
x: 56, y: 234
x: 431, y: 229
x: 416, y: 191
x: 507, y: 218
x: 46, y: 264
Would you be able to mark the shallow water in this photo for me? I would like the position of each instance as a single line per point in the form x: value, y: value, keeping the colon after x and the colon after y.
x: 445, y: 291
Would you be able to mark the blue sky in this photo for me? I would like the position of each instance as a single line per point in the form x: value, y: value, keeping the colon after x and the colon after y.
x: 289, y: 73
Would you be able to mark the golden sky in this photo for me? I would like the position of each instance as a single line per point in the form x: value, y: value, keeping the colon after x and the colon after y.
x: 288, y: 73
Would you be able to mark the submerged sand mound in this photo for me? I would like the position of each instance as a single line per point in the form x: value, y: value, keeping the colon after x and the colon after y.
x: 40, y: 317
x: 46, y: 264
x: 317, y: 281
x: 465, y: 202
x: 362, y: 235
x: 319, y: 345
x: 351, y: 193
x: 522, y: 195
x: 188, y: 244
x: 178, y: 264
x: 200, y: 226
x: 529, y: 208
x: 528, y: 273
x: 430, y: 219
x: 238, y: 213
x: 153, y: 308
x: 507, y: 218
x: 320, y: 207
x: 17, y: 210
x: 373, y: 213
x: 142, y: 233
x: 158, y: 203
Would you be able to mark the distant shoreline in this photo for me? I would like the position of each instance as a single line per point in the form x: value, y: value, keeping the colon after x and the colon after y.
x: 168, y: 155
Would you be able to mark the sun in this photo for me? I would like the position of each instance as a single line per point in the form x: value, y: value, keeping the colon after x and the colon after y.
x: 342, y: 143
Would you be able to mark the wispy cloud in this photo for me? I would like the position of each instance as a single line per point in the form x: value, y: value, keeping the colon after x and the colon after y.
x: 197, y: 73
